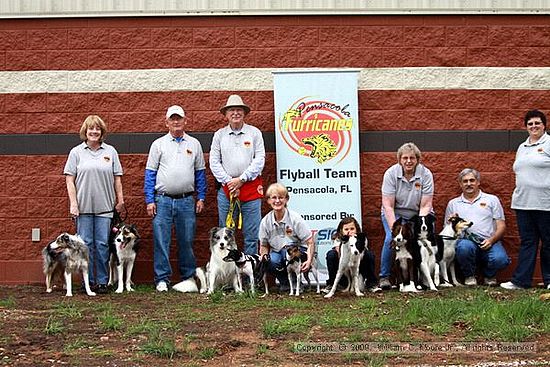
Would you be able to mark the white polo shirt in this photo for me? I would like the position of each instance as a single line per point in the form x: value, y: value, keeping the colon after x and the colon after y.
x: 292, y: 230
x: 484, y: 211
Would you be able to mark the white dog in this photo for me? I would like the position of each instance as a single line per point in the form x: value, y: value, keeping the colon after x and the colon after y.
x: 352, y: 249
x: 220, y: 272
x: 294, y: 260
x: 69, y: 254
x: 190, y: 285
x: 251, y: 266
x: 451, y: 232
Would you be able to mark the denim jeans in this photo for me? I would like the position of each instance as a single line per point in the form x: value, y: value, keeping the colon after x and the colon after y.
x: 277, y: 265
x: 252, y: 216
x: 94, y: 230
x: 385, y: 256
x: 534, y: 227
x: 469, y: 256
x: 180, y: 213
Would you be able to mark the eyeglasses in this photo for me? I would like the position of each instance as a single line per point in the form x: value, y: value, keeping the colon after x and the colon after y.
x: 534, y: 123
x: 275, y: 198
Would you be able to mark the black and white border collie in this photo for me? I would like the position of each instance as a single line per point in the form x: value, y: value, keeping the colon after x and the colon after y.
x: 352, y: 249
x: 219, y: 272
x: 67, y: 254
x: 404, y: 255
x: 123, y: 247
x: 428, y: 250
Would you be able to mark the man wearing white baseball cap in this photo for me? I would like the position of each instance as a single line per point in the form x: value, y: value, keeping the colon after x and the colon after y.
x: 175, y: 171
x: 237, y: 158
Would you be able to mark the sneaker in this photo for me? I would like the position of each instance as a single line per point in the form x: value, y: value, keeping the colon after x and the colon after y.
x: 162, y: 287
x: 327, y: 289
x: 491, y: 282
x: 385, y: 283
x: 102, y: 289
x: 510, y: 286
x: 470, y: 281
x: 375, y: 289
x: 548, y: 286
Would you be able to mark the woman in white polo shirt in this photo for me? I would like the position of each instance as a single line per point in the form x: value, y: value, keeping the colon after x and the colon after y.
x: 93, y: 175
x: 407, y: 190
x: 531, y: 201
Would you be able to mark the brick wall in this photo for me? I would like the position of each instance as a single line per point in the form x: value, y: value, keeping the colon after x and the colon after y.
x: 34, y: 193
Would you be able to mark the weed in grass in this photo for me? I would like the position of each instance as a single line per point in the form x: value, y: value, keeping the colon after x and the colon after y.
x: 292, y: 324
x: 7, y: 302
x: 68, y: 310
x: 262, y: 349
x: 102, y: 353
x: 53, y: 326
x: 342, y: 319
x: 77, y: 344
x: 354, y: 337
x: 216, y: 297
x: 161, y: 347
x: 108, y: 321
x: 207, y: 353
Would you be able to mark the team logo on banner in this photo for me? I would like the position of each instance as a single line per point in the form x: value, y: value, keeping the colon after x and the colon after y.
x: 317, y: 129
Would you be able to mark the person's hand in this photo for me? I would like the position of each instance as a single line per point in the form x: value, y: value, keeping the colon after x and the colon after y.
x: 120, y: 207
x: 305, y: 266
x: 73, y: 210
x: 152, y: 209
x: 199, y: 206
x: 234, y: 185
x: 487, y: 244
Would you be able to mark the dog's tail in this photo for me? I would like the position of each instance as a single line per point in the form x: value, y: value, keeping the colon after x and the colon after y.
x: 202, y: 279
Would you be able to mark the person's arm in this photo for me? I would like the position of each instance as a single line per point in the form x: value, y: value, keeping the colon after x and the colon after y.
x: 255, y: 167
x: 215, y: 160
x: 264, y: 249
x: 310, y: 252
x: 71, y: 191
x: 149, y: 191
x: 388, y: 205
x: 200, y: 186
x: 426, y: 203
x: 497, y: 236
x: 119, y: 195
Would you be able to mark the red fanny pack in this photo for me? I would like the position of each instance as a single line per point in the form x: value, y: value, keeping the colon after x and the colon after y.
x: 250, y: 190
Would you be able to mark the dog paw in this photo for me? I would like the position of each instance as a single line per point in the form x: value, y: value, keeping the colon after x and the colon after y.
x: 445, y: 285
x: 49, y: 290
x: 68, y: 295
x: 130, y: 289
x: 119, y: 290
x: 328, y: 295
x: 359, y: 294
x: 91, y: 294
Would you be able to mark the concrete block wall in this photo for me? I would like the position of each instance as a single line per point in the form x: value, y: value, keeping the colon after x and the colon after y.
x: 33, y: 187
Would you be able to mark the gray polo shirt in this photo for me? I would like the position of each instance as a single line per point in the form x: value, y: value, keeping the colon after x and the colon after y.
x: 94, y: 173
x: 292, y: 230
x: 532, y: 169
x: 408, y: 194
x: 237, y: 153
x: 175, y: 163
x: 483, y: 212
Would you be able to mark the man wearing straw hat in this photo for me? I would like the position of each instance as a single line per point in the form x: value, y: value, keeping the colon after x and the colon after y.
x: 237, y: 158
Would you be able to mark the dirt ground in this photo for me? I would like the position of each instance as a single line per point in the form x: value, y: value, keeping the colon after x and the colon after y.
x: 205, y: 332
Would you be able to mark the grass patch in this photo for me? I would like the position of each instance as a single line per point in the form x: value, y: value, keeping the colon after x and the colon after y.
x: 160, y: 347
x: 207, y: 353
x: 77, y: 344
x: 7, y: 302
x: 53, y: 326
x: 108, y: 321
x: 292, y: 324
x: 68, y: 310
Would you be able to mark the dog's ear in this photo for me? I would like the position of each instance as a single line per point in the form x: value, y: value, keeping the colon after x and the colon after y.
x: 360, y: 242
x: 212, y: 231
x: 230, y: 232
x: 345, y: 238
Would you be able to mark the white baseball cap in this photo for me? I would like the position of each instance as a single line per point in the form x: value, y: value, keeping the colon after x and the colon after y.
x: 175, y: 110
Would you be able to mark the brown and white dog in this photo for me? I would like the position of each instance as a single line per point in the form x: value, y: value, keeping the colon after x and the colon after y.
x: 352, y: 249
x: 403, y: 255
x: 428, y: 250
x: 454, y: 229
x: 67, y: 254
x: 123, y: 248
x: 294, y: 260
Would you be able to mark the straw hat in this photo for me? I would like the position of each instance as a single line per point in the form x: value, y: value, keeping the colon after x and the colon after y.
x: 235, y: 100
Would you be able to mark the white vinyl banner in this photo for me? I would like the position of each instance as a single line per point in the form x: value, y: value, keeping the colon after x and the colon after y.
x: 317, y: 142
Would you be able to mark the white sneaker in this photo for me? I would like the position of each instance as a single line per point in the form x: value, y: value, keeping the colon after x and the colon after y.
x: 510, y: 286
x: 162, y: 287
x: 375, y: 289
x: 548, y: 286
x: 470, y: 281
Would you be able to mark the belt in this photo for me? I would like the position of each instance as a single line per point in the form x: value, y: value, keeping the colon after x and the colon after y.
x: 176, y: 196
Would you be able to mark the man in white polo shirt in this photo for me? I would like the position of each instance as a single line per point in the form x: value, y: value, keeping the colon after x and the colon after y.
x: 175, y: 171
x: 482, y: 245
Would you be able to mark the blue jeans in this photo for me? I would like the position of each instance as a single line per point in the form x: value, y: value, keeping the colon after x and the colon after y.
x: 252, y: 216
x: 277, y: 265
x: 180, y: 213
x: 469, y: 255
x: 385, y: 256
x: 94, y: 230
x: 534, y: 227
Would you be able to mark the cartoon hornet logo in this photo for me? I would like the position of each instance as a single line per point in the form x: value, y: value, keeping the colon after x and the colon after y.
x: 322, y: 147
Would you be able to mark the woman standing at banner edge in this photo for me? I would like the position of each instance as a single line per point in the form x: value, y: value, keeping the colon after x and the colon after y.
x: 407, y: 190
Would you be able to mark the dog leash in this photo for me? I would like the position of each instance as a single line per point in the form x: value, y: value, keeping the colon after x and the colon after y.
x: 230, y: 221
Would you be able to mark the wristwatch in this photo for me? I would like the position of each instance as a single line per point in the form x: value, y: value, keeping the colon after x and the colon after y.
x: 243, y: 180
